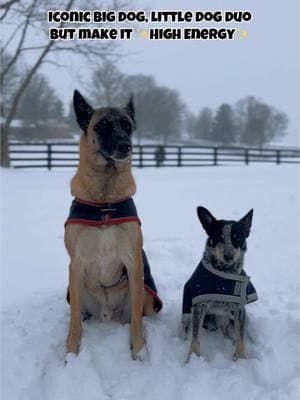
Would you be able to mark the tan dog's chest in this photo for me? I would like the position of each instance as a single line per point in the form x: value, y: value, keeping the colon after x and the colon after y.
x: 100, y: 254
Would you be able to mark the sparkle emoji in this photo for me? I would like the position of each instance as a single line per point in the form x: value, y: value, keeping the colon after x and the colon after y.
x: 144, y: 34
x: 242, y: 34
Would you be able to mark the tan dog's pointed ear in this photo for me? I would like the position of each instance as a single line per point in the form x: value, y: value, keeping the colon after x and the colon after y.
x: 129, y: 108
x: 83, y: 110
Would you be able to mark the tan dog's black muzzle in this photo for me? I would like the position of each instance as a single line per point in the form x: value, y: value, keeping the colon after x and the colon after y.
x: 123, y: 149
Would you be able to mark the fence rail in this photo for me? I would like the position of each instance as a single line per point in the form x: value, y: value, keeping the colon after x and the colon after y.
x: 65, y: 155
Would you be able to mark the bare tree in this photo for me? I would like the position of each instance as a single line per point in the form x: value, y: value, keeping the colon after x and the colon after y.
x: 107, y: 85
x: 159, y: 110
x: 8, y: 4
x: 33, y: 23
x: 259, y: 123
x: 5, y: 7
x: 9, y: 83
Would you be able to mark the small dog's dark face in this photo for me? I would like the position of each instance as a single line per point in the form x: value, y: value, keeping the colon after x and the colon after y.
x: 110, y: 129
x: 226, y: 241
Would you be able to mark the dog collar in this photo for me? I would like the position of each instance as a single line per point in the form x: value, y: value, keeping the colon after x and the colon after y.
x: 84, y: 212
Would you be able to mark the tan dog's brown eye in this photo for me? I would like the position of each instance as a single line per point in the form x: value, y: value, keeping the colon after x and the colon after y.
x: 125, y: 124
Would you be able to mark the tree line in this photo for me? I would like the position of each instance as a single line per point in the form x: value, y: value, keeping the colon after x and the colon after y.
x: 163, y: 116
x: 248, y: 122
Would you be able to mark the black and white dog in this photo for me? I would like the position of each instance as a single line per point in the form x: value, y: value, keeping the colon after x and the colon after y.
x: 218, y: 290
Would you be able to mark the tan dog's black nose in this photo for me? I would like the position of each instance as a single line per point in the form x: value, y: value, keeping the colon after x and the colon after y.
x: 123, y: 147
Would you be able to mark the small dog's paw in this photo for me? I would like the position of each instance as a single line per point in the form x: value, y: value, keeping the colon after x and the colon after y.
x: 191, y: 355
x: 239, y: 355
x: 195, y: 348
x: 70, y: 357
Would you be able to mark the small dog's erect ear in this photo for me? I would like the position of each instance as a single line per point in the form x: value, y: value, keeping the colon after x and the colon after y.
x: 130, y: 109
x: 82, y: 110
x: 206, y: 218
x: 246, y: 222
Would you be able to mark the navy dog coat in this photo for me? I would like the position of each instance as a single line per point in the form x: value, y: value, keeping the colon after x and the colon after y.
x: 208, y: 283
x: 96, y: 214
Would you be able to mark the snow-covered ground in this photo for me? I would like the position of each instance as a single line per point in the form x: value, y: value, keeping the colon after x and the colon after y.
x: 34, y: 278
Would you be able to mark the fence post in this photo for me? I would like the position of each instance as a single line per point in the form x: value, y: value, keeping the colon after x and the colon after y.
x: 278, y: 156
x: 49, y: 155
x: 246, y: 156
x: 179, y: 156
x: 215, y: 156
x: 140, y: 156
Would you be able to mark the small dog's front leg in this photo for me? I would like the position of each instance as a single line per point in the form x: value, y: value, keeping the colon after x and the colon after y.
x: 239, y: 329
x: 198, y: 315
x: 75, y: 328
x: 185, y: 325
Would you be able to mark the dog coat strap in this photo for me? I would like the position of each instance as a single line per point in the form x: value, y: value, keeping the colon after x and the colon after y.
x: 208, y: 284
x: 149, y: 284
x: 115, y: 284
x: 95, y: 214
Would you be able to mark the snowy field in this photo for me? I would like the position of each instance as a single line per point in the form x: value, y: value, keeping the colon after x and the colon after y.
x: 34, y: 278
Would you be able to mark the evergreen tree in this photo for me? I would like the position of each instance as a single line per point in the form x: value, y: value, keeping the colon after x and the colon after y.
x: 224, y: 129
x: 40, y: 104
x: 204, y: 124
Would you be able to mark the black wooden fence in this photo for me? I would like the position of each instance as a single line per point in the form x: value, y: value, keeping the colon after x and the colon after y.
x: 64, y: 155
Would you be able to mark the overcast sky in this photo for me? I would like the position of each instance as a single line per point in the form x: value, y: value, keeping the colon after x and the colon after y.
x: 207, y: 73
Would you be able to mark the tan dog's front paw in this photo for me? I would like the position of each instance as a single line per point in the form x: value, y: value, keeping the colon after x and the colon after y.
x: 73, y: 340
x: 70, y: 357
x: 137, y: 349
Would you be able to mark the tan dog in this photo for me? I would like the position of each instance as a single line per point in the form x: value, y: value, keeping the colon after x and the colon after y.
x: 106, y: 267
